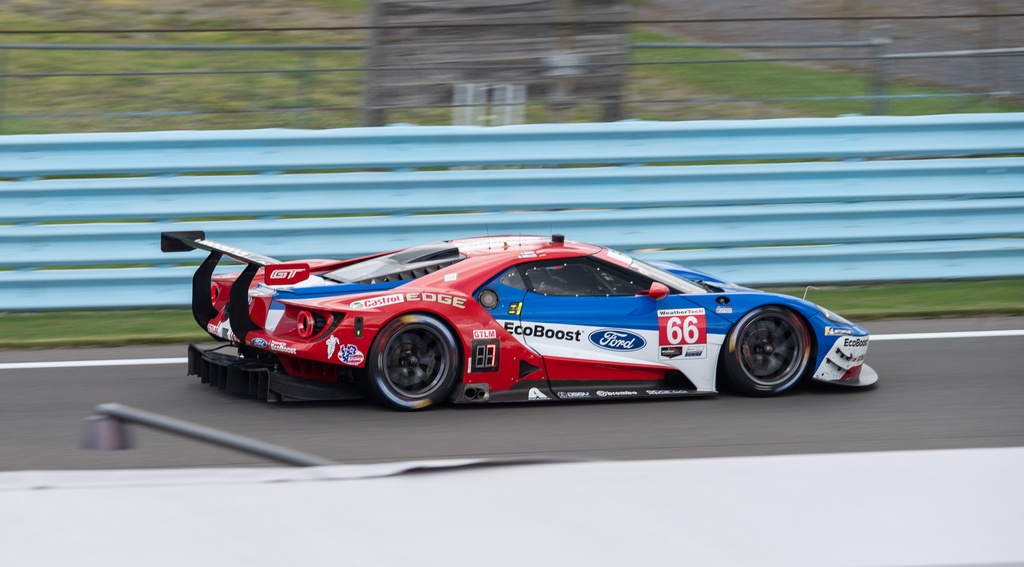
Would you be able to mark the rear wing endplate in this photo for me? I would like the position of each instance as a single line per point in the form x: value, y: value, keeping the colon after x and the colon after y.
x: 202, y: 303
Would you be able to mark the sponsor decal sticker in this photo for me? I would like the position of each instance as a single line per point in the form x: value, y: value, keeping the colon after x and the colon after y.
x: 845, y: 360
x: 542, y: 332
x: 381, y: 301
x: 485, y: 334
x: 281, y: 346
x: 259, y: 342
x: 666, y: 392
x: 287, y: 274
x: 694, y: 352
x: 332, y: 344
x: 681, y: 327
x: 528, y: 255
x: 515, y: 308
x: 223, y: 331
x: 451, y: 277
x: 612, y: 393
x: 837, y: 331
x: 617, y: 339
x: 671, y: 352
x: 442, y: 298
x: 536, y: 394
x: 723, y: 309
x: 571, y: 395
x: 855, y: 342
x: 350, y: 354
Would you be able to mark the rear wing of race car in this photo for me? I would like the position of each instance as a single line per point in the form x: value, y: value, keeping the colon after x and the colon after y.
x: 202, y: 302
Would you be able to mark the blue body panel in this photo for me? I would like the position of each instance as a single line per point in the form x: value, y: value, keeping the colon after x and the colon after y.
x: 723, y: 309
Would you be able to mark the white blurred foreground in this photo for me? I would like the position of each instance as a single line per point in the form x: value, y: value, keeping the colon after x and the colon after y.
x: 949, y: 507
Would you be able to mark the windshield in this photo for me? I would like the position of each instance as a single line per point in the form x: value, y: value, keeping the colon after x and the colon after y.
x: 671, y: 280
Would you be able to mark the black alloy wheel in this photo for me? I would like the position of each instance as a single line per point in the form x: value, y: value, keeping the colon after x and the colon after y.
x: 414, y: 362
x: 767, y: 352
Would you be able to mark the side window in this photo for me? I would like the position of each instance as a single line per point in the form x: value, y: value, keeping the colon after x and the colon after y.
x: 512, y: 278
x: 579, y: 277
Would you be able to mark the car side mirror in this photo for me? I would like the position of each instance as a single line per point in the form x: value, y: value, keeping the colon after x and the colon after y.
x: 658, y: 291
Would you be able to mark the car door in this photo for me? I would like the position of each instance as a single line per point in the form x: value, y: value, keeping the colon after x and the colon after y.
x: 597, y: 336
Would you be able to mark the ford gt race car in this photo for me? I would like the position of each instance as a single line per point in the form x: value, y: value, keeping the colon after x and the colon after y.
x: 502, y: 319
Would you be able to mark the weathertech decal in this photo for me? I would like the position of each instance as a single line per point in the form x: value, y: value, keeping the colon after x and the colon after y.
x: 680, y: 328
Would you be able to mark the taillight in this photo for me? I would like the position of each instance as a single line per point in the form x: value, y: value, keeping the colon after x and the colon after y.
x: 305, y: 324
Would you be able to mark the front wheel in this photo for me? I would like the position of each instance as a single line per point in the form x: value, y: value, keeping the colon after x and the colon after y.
x: 766, y: 352
x: 414, y: 363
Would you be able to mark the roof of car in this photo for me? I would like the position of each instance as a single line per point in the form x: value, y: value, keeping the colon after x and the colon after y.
x: 520, y: 244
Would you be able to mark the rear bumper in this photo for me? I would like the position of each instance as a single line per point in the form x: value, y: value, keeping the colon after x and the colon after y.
x: 248, y: 377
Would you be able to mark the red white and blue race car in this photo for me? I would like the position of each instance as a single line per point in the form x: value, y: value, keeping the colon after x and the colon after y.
x: 503, y: 319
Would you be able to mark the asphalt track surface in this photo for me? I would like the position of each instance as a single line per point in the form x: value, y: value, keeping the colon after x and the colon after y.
x: 932, y: 394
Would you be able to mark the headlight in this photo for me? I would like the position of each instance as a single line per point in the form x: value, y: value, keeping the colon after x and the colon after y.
x: 833, y: 317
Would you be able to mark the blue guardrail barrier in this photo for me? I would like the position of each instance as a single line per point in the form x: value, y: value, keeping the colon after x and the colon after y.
x: 788, y: 201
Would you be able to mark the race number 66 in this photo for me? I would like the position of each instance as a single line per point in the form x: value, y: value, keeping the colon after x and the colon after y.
x: 682, y: 327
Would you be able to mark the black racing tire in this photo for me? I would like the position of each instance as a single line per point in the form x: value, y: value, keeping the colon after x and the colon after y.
x: 414, y: 363
x: 766, y: 352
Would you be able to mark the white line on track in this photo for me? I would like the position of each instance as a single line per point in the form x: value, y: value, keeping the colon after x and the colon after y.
x: 86, y: 363
x: 949, y: 335
x: 183, y: 360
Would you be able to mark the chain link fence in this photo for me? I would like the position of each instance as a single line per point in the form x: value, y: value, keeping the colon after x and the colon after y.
x: 129, y: 80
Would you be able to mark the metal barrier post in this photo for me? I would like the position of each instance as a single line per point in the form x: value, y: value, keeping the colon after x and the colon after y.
x: 880, y: 77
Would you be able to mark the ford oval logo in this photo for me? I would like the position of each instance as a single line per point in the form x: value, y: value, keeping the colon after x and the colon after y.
x: 617, y: 339
x: 259, y: 342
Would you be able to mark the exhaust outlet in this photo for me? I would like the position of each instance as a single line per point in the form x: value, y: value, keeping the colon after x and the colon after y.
x: 476, y: 393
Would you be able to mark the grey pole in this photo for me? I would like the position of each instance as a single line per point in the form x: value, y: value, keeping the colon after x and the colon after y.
x: 94, y: 430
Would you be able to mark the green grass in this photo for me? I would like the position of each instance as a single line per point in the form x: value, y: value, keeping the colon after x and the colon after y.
x: 94, y: 328
x: 769, y: 80
x: 280, y: 99
x: 946, y: 299
x: 859, y: 303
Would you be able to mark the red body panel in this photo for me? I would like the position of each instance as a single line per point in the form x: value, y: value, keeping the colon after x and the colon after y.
x: 446, y: 294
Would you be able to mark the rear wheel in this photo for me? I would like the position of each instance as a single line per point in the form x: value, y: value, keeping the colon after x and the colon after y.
x: 414, y: 363
x: 767, y: 352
